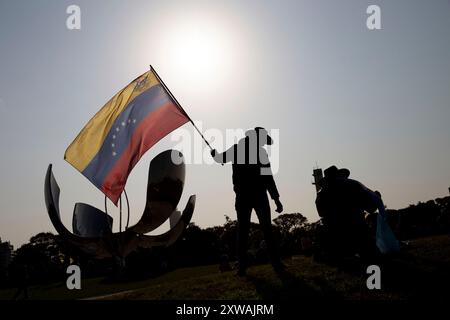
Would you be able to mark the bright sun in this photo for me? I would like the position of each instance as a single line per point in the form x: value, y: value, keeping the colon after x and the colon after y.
x: 202, y: 51
x: 198, y: 51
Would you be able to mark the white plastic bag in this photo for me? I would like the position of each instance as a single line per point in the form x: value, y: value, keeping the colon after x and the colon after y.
x: 385, y: 238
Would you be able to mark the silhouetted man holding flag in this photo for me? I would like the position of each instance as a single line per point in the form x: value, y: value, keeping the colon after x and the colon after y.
x: 252, y: 179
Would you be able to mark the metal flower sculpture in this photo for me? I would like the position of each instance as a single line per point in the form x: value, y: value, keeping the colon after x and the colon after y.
x: 92, y: 228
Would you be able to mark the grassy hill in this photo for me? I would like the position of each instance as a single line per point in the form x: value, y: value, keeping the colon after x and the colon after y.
x: 420, y: 271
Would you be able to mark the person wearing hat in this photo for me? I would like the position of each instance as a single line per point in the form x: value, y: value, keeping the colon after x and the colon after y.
x: 252, y: 179
x: 341, y: 203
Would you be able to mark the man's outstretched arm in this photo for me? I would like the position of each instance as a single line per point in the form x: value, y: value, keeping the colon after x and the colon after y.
x: 224, y: 157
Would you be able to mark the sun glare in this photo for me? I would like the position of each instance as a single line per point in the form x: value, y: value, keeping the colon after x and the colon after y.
x: 201, y: 52
x: 198, y: 51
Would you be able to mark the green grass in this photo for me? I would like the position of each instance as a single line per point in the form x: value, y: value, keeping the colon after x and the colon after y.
x: 421, y: 271
x: 100, y: 286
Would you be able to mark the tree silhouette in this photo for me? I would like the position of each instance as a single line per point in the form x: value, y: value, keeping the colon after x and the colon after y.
x: 288, y: 222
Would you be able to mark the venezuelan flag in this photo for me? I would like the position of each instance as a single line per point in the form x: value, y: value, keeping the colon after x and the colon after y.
x: 113, y: 141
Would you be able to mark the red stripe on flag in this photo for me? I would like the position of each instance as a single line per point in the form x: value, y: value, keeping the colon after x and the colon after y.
x: 153, y: 128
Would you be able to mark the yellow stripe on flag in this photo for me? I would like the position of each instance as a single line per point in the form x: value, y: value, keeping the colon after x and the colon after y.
x: 91, y: 137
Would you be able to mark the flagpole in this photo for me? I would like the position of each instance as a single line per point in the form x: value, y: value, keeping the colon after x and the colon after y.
x: 179, y: 105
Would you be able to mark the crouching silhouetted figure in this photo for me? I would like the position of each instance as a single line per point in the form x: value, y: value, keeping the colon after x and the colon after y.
x: 252, y: 179
x: 20, y: 276
x: 342, y: 204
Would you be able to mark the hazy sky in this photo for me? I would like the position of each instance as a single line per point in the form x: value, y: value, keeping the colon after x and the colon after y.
x: 376, y: 102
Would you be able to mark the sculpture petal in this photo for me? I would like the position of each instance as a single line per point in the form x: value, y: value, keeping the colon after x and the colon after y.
x: 168, y: 238
x: 89, y: 221
x: 94, y: 246
x: 164, y: 189
x: 174, y: 218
